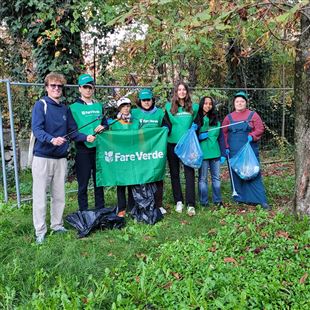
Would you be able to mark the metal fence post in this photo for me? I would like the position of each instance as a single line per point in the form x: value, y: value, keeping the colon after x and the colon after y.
x: 8, y: 88
x: 5, y: 188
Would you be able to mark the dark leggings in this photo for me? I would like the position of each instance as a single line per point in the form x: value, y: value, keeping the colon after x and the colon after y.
x: 121, y: 198
x: 174, y: 167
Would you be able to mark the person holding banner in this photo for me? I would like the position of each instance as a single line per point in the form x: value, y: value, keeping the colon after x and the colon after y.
x: 250, y: 130
x: 180, y: 114
x: 87, y: 116
x: 209, y: 141
x: 150, y: 116
x: 124, y: 121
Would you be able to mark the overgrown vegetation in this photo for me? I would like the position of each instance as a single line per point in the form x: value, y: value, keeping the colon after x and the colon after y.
x: 239, y: 257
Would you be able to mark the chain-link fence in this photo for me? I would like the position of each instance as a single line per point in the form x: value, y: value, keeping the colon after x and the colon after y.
x: 274, y: 105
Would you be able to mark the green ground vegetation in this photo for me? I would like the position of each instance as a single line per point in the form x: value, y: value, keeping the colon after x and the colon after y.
x: 239, y: 257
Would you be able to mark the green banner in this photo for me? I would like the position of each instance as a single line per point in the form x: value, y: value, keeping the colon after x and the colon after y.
x: 131, y: 156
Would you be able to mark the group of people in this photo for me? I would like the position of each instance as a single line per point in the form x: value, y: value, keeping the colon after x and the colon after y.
x: 54, y: 125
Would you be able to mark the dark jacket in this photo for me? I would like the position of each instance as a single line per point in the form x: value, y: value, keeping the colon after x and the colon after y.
x: 49, y: 125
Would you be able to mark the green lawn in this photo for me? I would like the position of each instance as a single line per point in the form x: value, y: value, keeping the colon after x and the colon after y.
x: 239, y: 257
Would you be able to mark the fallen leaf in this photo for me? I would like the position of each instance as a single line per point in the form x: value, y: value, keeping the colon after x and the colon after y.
x: 167, y: 285
x: 147, y: 237
x: 303, y: 278
x: 110, y: 254
x: 184, y: 222
x: 137, y: 279
x: 141, y: 256
x: 230, y: 260
x: 282, y: 234
x: 264, y: 234
x: 212, y: 232
x: 177, y: 275
x: 260, y: 248
x: 212, y: 249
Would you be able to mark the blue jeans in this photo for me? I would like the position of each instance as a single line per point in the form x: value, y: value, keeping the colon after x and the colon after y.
x: 214, y: 165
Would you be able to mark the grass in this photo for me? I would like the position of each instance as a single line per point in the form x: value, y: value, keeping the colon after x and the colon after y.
x: 239, y: 257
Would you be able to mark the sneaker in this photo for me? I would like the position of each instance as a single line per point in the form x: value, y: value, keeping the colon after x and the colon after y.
x: 60, y: 230
x: 191, y: 211
x: 179, y: 207
x: 266, y: 206
x: 121, y: 213
x: 40, y: 239
x: 163, y: 210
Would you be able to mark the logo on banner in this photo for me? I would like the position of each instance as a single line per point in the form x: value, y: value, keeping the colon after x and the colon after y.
x: 110, y: 156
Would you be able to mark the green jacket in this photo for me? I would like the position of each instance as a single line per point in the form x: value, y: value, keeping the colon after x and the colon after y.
x: 148, y: 119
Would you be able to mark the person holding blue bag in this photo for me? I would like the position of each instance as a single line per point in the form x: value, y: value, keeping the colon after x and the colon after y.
x: 249, y: 129
x: 209, y: 141
x: 179, y: 115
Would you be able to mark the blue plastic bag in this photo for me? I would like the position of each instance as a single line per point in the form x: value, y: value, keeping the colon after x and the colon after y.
x: 188, y: 149
x: 245, y: 163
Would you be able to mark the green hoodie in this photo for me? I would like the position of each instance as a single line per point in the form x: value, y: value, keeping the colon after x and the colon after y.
x: 210, y: 146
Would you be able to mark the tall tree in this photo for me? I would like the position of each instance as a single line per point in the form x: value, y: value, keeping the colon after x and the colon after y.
x: 302, y: 120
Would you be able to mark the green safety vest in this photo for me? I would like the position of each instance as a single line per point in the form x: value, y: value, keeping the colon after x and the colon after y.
x: 84, y: 114
x: 181, y: 122
x: 210, y: 146
x: 148, y: 120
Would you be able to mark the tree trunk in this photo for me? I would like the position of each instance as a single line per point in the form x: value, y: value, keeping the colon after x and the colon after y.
x: 302, y: 121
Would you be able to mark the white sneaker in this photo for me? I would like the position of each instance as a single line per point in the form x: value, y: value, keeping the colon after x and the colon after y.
x: 163, y: 210
x: 40, y: 239
x: 191, y: 211
x: 179, y: 207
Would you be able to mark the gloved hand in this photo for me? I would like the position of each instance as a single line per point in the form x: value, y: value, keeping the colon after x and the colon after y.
x: 203, y: 135
x: 222, y: 160
x: 194, y: 126
x: 109, y: 120
x: 250, y: 138
x: 166, y: 127
x: 227, y: 151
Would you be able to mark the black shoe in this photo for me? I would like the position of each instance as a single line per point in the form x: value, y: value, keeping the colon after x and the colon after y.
x: 266, y: 206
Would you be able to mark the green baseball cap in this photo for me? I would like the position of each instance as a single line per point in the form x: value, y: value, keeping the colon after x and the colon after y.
x: 242, y: 94
x: 85, y: 79
x: 145, y: 94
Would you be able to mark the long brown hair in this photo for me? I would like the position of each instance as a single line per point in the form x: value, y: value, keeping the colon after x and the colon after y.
x: 175, y: 100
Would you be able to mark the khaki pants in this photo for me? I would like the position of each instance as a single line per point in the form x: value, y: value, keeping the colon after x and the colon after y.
x: 47, y: 174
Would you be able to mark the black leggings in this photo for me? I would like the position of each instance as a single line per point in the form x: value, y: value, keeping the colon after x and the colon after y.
x: 174, y: 167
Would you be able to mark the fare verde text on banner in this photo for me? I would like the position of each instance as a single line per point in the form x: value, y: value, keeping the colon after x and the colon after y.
x: 127, y: 157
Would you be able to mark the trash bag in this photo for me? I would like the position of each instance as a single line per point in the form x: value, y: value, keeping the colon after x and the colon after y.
x: 245, y: 163
x: 145, y: 208
x: 188, y: 149
x: 89, y: 220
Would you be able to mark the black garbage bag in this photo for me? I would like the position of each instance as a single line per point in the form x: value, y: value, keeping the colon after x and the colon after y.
x: 145, y: 208
x: 89, y: 220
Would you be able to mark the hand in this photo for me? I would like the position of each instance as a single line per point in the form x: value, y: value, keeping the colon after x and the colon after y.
x: 99, y: 129
x: 222, y: 160
x: 58, y: 141
x: 109, y: 120
x: 250, y: 138
x: 194, y: 126
x: 227, y: 151
x: 90, y: 138
x: 203, y: 135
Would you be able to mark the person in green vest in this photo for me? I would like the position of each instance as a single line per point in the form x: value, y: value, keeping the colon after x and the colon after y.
x: 124, y: 121
x: 87, y: 113
x: 150, y: 116
x: 209, y: 133
x: 180, y: 113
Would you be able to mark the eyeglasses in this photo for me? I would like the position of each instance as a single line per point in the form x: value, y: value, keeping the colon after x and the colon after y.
x: 87, y: 87
x: 54, y: 86
x: 146, y: 99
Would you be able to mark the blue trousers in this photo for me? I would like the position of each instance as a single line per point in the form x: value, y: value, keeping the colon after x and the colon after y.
x: 214, y: 166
